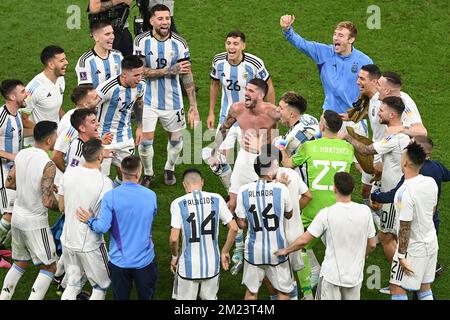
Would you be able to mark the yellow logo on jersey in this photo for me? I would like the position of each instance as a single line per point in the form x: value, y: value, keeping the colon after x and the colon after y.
x: 245, y: 75
x: 172, y: 54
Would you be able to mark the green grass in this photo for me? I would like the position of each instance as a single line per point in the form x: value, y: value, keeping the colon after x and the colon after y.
x: 413, y: 41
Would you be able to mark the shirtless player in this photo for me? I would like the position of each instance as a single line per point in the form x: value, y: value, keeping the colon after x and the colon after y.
x: 255, y: 118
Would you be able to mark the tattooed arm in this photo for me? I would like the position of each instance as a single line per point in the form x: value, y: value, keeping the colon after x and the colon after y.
x: 97, y: 6
x: 189, y: 86
x: 403, y: 236
x: 138, y: 111
x: 47, y: 182
x: 227, y: 124
x: 11, y: 179
x: 365, y: 150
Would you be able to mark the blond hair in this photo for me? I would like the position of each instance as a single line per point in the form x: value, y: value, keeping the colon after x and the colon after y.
x: 349, y: 26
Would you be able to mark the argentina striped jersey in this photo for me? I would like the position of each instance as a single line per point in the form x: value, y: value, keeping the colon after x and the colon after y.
x: 92, y: 69
x: 197, y: 214
x: 263, y: 204
x: 115, y: 108
x: 234, y: 78
x: 164, y: 92
x: 11, y: 134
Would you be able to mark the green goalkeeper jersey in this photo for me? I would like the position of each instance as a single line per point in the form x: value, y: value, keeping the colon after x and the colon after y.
x: 322, y: 159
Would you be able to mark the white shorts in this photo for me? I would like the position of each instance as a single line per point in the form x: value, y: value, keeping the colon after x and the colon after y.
x: 293, y: 229
x: 280, y: 276
x: 185, y: 289
x: 243, y: 170
x: 121, y: 150
x: 37, y: 245
x: 94, y: 264
x: 234, y: 135
x: 424, y: 271
x: 7, y: 196
x: 329, y: 291
x: 171, y: 120
x: 388, y: 219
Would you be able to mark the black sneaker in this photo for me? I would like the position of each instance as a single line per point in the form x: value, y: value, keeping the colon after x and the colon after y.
x: 57, y: 279
x: 147, y: 181
x: 439, y: 269
x: 169, y: 177
x: 83, y: 295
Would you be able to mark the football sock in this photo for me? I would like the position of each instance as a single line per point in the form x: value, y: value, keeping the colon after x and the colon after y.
x: 294, y: 293
x: 60, y: 266
x: 70, y: 293
x: 399, y: 297
x: 5, y: 226
x: 304, y: 276
x: 146, y: 154
x: 98, y: 294
x: 425, y: 295
x: 225, y: 176
x: 9, y: 284
x: 40, y: 286
x: 174, y: 148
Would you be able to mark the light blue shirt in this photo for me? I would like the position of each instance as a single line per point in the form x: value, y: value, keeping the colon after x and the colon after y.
x: 127, y: 212
x: 338, y: 73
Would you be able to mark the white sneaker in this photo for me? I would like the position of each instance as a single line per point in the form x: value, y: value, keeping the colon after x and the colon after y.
x: 385, y: 290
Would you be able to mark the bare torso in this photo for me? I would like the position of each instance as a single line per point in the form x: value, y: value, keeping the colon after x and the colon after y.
x: 258, y: 121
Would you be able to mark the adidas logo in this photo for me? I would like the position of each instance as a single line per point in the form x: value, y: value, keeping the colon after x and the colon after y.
x: 223, y: 74
x: 49, y: 95
x: 6, y: 290
x: 98, y: 72
x: 151, y: 52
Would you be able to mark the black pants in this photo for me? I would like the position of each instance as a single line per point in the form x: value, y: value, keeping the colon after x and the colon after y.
x: 124, y: 42
x: 144, y: 279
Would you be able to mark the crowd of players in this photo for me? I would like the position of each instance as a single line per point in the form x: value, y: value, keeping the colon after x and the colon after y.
x: 278, y: 186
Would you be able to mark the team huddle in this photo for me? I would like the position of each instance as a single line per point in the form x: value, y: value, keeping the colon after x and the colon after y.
x: 286, y: 193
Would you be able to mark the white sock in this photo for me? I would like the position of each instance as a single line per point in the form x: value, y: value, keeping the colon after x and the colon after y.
x: 40, y: 286
x: 70, y: 293
x: 98, y: 294
x: 146, y: 154
x: 174, y: 148
x: 5, y: 226
x: 60, y: 266
x: 376, y: 220
x: 315, y: 265
x: 226, y: 177
x: 9, y: 284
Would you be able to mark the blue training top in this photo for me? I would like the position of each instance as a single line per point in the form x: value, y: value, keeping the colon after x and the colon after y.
x: 338, y: 73
x: 127, y: 212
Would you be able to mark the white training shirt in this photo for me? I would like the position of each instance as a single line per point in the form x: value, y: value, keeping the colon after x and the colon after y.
x: 411, y: 114
x: 293, y: 227
x: 91, y: 69
x: 346, y: 227
x: 29, y: 213
x: 82, y: 187
x: 263, y: 204
x: 66, y: 133
x: 391, y: 148
x: 44, y: 100
x: 415, y: 201
x: 378, y: 129
x: 197, y: 214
